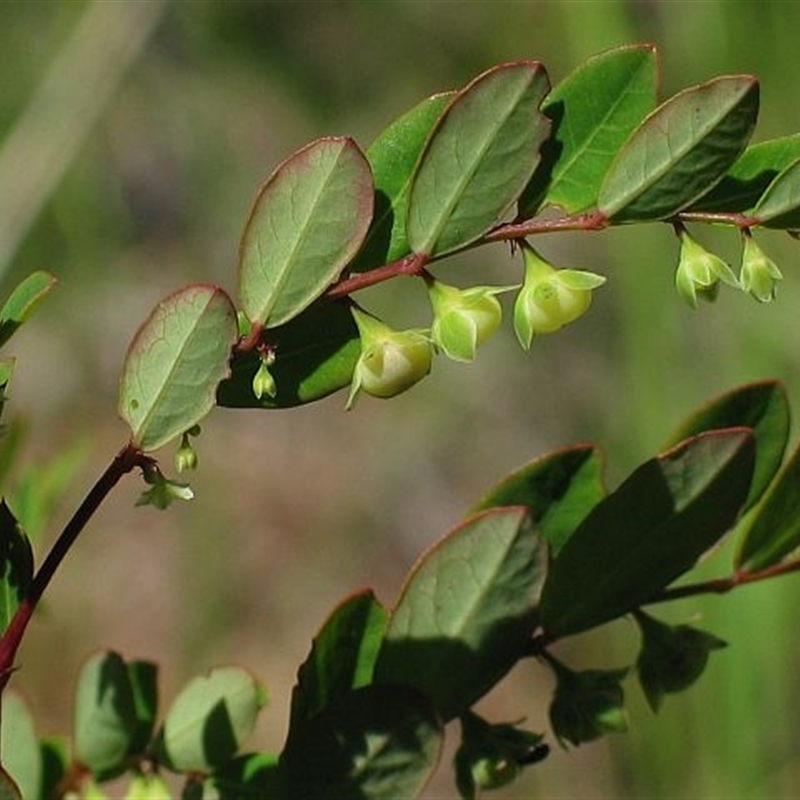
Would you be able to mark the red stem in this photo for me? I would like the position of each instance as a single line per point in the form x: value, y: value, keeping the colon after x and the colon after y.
x: 126, y: 460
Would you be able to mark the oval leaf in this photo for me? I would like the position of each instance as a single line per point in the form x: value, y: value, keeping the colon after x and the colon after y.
x: 648, y: 532
x: 774, y: 529
x: 174, y: 364
x: 393, y: 157
x: 16, y: 565
x: 210, y: 719
x: 342, y: 657
x: 479, y: 158
x: 24, y: 301
x: 750, y: 175
x: 779, y: 206
x: 762, y: 407
x: 308, y: 365
x: 467, y: 611
x: 19, y: 747
x: 374, y: 743
x: 105, y: 713
x: 308, y: 221
x: 594, y: 110
x: 558, y: 489
x: 681, y: 150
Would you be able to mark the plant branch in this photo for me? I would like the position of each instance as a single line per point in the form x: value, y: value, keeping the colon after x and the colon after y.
x: 125, y: 461
x: 412, y: 265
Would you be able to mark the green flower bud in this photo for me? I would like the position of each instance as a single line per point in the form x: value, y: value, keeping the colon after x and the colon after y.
x: 263, y: 382
x: 760, y: 273
x: 550, y: 298
x: 148, y: 787
x: 463, y: 318
x: 699, y: 272
x: 391, y: 361
x: 185, y: 457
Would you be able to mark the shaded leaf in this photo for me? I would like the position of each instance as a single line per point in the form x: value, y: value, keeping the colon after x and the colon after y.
x: 342, y: 657
x: 8, y: 788
x: 16, y: 565
x: 558, y: 489
x: 19, y: 747
x: 467, y: 610
x: 105, y: 713
x: 23, y: 302
x: 393, y: 157
x: 594, y: 110
x: 374, y: 743
x: 308, y: 221
x: 750, y: 175
x: 55, y: 762
x: 255, y: 776
x: 648, y: 532
x: 762, y: 406
x: 174, y: 364
x: 773, y: 530
x: 779, y: 206
x: 308, y: 366
x: 210, y: 718
x: 144, y: 686
x: 672, y: 657
x: 681, y: 150
x: 479, y: 157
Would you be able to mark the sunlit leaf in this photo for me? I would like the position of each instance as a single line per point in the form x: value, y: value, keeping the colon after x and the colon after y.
x: 174, y: 364
x: 558, y: 489
x: 393, y: 157
x: 374, y: 743
x: 779, y: 206
x: 307, y: 366
x: 762, y: 406
x: 16, y: 565
x: 467, y: 610
x: 308, y: 221
x: 681, y: 150
x: 750, y: 175
x: 594, y: 110
x: 479, y: 157
x: 208, y: 721
x: 19, y: 747
x: 342, y: 657
x: 649, y: 531
x: 23, y: 302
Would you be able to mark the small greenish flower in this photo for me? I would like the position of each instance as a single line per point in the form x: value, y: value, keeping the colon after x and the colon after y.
x: 700, y: 272
x: 263, y: 381
x: 163, y: 491
x: 186, y: 456
x: 391, y: 361
x: 550, y: 298
x: 760, y: 274
x: 464, y: 318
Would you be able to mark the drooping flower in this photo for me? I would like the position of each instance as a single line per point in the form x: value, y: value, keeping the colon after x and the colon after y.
x: 760, y: 274
x: 463, y: 318
x: 699, y: 272
x: 550, y: 298
x: 391, y: 361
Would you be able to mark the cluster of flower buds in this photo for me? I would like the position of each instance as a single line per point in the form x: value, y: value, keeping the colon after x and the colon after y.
x: 700, y: 272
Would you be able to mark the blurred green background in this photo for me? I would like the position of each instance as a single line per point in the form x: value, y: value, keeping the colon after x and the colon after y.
x: 134, y: 136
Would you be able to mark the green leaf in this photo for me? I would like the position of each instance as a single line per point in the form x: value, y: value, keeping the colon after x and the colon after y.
x: 779, y: 206
x: 308, y: 365
x: 342, y: 656
x: 672, y: 657
x: 773, y: 530
x: 587, y: 704
x: 558, y: 489
x: 479, y: 157
x: 6, y: 371
x: 467, y: 611
x: 762, y: 406
x: 16, y: 565
x: 375, y: 743
x: 308, y: 222
x: 750, y: 175
x: 144, y: 686
x: 105, y: 713
x: 255, y: 776
x: 681, y: 150
x: 210, y: 718
x: 174, y: 364
x: 8, y: 788
x: 648, y: 532
x: 594, y: 110
x: 55, y: 762
x: 23, y: 302
x: 19, y: 747
x: 393, y: 157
